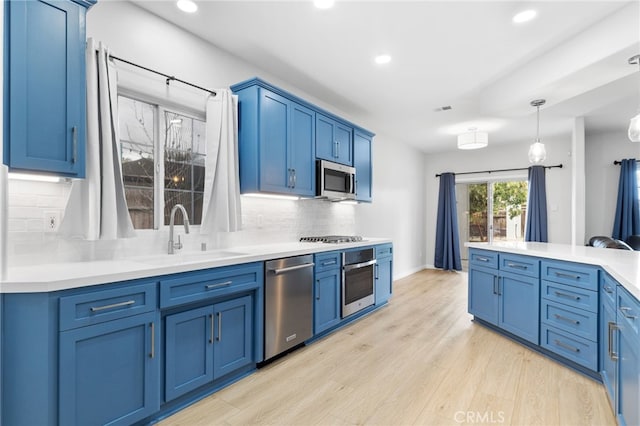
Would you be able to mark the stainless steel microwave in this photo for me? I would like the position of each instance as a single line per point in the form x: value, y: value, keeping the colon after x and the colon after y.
x: 335, y: 181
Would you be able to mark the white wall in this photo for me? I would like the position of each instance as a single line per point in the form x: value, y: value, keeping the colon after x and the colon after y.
x: 136, y: 35
x: 602, y: 149
x: 504, y: 157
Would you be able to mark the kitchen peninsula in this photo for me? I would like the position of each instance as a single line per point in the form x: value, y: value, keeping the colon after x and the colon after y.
x: 576, y: 304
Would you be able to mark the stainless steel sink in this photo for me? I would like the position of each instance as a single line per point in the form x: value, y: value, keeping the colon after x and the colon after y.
x: 194, y: 257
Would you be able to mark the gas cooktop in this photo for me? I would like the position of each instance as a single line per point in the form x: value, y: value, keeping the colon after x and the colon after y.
x: 333, y: 239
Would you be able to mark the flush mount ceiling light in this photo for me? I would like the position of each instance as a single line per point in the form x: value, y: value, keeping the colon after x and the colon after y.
x: 382, y: 59
x: 473, y: 139
x: 187, y: 6
x: 324, y: 4
x: 537, y: 152
x: 524, y: 16
x: 634, y: 125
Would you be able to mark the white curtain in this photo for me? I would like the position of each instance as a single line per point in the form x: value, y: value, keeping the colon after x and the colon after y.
x: 97, y: 208
x: 221, y: 203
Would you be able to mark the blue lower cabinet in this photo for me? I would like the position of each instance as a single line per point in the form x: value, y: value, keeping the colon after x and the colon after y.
x: 519, y: 305
x: 233, y: 335
x: 188, y: 351
x: 608, y: 352
x: 326, y: 306
x: 628, y: 314
x: 109, y: 372
x: 483, y: 295
x: 384, y: 280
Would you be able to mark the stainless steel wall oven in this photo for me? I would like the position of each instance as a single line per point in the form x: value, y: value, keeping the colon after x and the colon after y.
x: 358, y: 279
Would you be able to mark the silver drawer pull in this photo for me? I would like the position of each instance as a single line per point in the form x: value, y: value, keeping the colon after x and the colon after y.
x: 292, y: 268
x: 482, y: 259
x: 563, y: 318
x: 115, y: 305
x: 219, y: 285
x: 219, y: 338
x: 569, y: 296
x: 608, y: 289
x: 570, y: 276
x: 612, y: 354
x: 625, y: 311
x: 565, y: 346
x: 212, y: 328
x: 331, y: 262
x: 516, y: 265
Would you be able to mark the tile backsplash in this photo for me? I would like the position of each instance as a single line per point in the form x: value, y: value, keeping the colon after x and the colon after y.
x: 32, y: 204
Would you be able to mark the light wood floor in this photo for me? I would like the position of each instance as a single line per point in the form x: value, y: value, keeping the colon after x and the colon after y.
x: 418, y: 361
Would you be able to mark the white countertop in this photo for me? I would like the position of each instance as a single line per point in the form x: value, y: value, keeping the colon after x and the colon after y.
x: 623, y: 265
x: 61, y: 276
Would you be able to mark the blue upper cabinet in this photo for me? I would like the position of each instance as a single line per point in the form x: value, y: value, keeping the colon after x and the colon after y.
x: 334, y: 140
x: 362, y: 162
x: 276, y: 142
x: 44, y: 103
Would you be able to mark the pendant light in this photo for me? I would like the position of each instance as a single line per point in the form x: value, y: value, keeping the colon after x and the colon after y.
x: 537, y: 153
x: 473, y: 139
x: 634, y: 125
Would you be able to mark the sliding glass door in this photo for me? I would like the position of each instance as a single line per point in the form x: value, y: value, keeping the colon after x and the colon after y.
x: 491, y: 211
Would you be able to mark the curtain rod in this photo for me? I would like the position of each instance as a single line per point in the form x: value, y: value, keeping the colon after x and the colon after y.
x: 501, y: 170
x: 618, y: 162
x: 169, y: 78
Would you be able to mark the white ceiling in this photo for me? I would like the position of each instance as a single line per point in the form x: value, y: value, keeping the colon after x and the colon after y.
x: 465, y: 54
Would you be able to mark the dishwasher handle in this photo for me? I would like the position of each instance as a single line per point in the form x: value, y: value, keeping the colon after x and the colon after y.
x: 292, y: 268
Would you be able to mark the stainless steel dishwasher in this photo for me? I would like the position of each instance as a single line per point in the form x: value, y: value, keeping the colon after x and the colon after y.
x: 288, y: 303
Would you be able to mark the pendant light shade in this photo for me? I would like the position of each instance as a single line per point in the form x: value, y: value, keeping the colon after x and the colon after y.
x: 537, y: 152
x: 634, y: 124
x: 473, y: 139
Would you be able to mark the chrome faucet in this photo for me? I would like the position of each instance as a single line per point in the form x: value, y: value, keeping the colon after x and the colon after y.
x: 185, y: 218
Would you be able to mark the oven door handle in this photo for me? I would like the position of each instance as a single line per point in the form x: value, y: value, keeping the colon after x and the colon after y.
x: 359, y: 265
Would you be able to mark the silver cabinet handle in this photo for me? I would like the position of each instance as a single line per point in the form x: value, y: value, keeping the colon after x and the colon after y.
x: 569, y: 296
x: 338, y: 151
x: 565, y: 275
x: 360, y: 265
x: 219, y: 285
x: 625, y: 311
x: 495, y: 284
x: 608, y: 289
x: 565, y: 346
x: 516, y: 265
x: 292, y: 268
x: 153, y: 340
x: 219, y: 338
x: 482, y: 259
x: 563, y: 318
x: 377, y: 274
x: 612, y: 326
x: 318, y: 292
x: 335, y: 149
x: 212, y: 328
x: 295, y: 178
x: 74, y: 141
x: 115, y: 305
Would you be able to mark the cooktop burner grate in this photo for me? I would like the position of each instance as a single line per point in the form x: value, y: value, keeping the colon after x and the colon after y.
x: 332, y: 239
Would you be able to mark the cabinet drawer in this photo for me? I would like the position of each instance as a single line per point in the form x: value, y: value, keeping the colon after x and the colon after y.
x: 201, y: 285
x: 384, y: 250
x: 571, y: 296
x: 628, y: 311
x: 106, y: 305
x: 570, y: 273
x: 577, y: 349
x: 608, y: 287
x: 327, y: 261
x: 485, y: 258
x: 577, y: 321
x: 523, y: 265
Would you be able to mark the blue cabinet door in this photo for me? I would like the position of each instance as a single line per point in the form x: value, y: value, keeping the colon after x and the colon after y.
x: 334, y: 140
x: 275, y: 173
x: 483, y: 295
x: 109, y: 372
x: 326, y: 313
x: 384, y: 280
x: 188, y: 351
x: 629, y: 385
x: 45, y: 88
x: 302, y: 150
x: 233, y: 336
x: 608, y: 351
x: 520, y: 305
x: 363, y: 166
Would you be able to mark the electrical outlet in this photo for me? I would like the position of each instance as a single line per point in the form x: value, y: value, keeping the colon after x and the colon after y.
x: 51, y: 220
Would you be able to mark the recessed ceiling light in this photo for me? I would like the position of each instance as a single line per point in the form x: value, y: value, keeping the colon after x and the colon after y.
x: 324, y: 4
x: 187, y: 6
x: 382, y: 59
x: 524, y: 16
